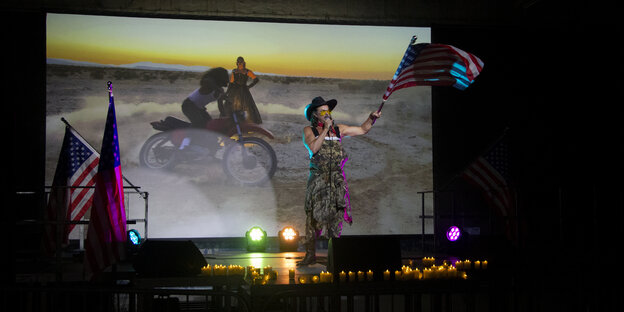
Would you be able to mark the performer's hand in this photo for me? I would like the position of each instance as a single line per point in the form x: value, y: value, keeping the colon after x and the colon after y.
x: 328, y: 123
x: 375, y: 114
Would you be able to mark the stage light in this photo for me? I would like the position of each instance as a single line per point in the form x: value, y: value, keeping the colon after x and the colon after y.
x: 288, y: 239
x: 453, y: 233
x: 256, y: 239
x: 134, y: 237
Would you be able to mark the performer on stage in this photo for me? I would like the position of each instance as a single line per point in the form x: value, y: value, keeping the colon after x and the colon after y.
x: 238, y: 96
x: 327, y: 196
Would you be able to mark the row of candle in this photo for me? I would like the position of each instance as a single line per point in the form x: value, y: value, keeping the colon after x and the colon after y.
x: 222, y: 270
x: 460, y: 265
x: 405, y: 274
x: 255, y: 278
x: 467, y: 265
x: 323, y: 277
x: 359, y: 276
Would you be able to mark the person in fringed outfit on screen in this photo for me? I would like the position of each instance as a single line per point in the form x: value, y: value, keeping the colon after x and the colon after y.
x: 327, y: 202
x: 239, y: 98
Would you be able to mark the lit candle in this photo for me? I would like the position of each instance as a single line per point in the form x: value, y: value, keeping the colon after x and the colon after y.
x: 386, y: 275
x: 458, y: 265
x: 369, y: 275
x: 477, y: 265
x: 452, y: 272
x: 342, y: 276
x: 467, y: 265
x: 322, y: 277
x: 352, y: 276
x: 206, y: 270
x: 406, y: 274
x: 360, y: 276
x: 484, y: 264
x: 291, y: 273
x: 427, y: 273
x: 303, y: 279
x: 442, y: 272
x: 315, y: 279
x: 397, y: 275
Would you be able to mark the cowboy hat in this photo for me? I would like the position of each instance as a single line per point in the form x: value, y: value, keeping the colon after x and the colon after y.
x: 316, y: 102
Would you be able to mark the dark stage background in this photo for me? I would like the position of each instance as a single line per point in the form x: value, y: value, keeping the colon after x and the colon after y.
x: 552, y: 76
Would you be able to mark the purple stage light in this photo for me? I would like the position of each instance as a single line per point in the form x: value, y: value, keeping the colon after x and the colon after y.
x: 453, y: 233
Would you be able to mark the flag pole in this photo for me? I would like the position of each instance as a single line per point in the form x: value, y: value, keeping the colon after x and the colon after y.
x: 412, y: 42
x: 136, y: 188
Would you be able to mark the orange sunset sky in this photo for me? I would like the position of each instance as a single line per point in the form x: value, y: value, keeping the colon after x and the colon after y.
x: 338, y: 51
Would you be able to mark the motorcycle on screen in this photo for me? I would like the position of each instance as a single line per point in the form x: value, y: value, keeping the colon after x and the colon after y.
x: 247, y: 158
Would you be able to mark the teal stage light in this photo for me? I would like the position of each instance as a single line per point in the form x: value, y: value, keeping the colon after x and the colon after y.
x: 256, y: 239
x: 288, y: 239
x: 134, y: 237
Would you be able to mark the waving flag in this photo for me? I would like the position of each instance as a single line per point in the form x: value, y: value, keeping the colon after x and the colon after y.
x: 106, y: 236
x: 71, y: 194
x: 429, y: 64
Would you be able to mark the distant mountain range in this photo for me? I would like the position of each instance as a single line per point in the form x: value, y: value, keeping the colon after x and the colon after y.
x: 139, y: 65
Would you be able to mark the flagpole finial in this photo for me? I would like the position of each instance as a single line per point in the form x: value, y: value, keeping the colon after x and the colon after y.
x: 414, y: 38
x: 110, y: 85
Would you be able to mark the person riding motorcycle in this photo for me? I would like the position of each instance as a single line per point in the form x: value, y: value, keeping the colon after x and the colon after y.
x: 210, y: 89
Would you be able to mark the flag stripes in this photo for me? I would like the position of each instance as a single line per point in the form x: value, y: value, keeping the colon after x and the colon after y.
x: 71, y: 194
x: 429, y: 64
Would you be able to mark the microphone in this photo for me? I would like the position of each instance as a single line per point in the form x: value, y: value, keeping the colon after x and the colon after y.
x: 328, y: 117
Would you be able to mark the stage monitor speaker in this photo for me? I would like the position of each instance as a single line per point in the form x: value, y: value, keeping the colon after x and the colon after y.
x: 168, y: 258
x: 362, y: 253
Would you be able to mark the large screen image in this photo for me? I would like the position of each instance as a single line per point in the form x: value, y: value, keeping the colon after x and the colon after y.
x: 199, y: 183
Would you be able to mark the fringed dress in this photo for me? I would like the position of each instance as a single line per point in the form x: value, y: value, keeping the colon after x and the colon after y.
x: 327, y: 202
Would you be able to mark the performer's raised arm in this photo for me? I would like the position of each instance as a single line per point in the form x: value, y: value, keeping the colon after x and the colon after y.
x: 346, y: 130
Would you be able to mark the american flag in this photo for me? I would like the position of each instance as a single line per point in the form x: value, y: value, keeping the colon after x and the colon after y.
x: 430, y: 64
x: 490, y: 173
x: 106, y: 237
x: 72, y: 191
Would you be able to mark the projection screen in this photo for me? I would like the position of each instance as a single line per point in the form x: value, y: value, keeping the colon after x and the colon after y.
x: 154, y: 64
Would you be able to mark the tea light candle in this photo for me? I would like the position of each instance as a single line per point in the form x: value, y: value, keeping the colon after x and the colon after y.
x: 427, y: 273
x: 397, y: 275
x: 477, y: 265
x: 303, y: 280
x: 484, y: 264
x: 386, y: 275
x: 360, y: 276
x: 206, y: 270
x: 342, y: 276
x: 315, y: 279
x: 452, y: 272
x: 291, y: 273
x: 352, y: 276
x: 369, y: 275
x: 458, y: 265
x: 417, y: 274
